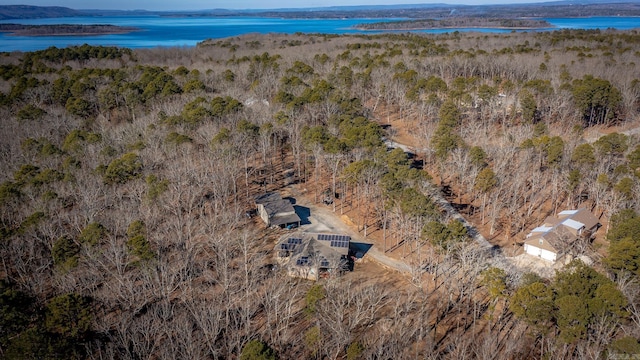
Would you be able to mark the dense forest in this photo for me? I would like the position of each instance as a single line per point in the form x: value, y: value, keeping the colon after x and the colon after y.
x: 127, y: 175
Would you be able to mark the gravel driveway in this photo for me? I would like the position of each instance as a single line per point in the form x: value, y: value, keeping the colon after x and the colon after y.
x: 320, y: 218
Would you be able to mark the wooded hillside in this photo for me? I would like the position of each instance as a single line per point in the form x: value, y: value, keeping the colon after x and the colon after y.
x: 126, y: 176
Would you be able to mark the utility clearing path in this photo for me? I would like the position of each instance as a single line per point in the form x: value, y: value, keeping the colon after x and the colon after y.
x: 438, y: 198
x: 523, y: 262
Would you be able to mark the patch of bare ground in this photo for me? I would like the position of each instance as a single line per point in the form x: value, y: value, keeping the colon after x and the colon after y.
x: 629, y: 127
x: 356, y: 214
x: 400, y: 129
x: 371, y: 272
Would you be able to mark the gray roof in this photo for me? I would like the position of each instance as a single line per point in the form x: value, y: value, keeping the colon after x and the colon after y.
x: 307, y: 250
x: 267, y: 197
x: 279, y: 210
x: 283, y: 219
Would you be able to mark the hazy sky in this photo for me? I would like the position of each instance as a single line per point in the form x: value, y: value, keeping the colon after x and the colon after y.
x: 231, y: 4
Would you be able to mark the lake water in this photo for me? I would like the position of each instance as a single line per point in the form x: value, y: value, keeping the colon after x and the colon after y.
x: 166, y: 31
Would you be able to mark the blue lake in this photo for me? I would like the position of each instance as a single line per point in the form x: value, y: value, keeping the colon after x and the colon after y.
x: 166, y: 31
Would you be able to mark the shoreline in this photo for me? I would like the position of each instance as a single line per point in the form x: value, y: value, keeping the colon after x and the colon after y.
x: 457, y: 23
x: 9, y: 33
x: 458, y: 27
x: 65, y: 30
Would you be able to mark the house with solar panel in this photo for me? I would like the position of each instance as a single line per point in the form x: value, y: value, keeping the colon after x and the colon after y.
x: 276, y: 211
x: 558, y: 234
x: 313, y: 255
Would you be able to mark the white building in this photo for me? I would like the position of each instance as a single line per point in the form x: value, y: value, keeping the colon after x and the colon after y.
x: 558, y: 234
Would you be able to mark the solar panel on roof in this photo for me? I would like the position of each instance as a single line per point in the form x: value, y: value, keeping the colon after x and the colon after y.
x: 294, y: 241
x: 340, y: 243
x: 324, y: 263
x: 335, y: 240
x: 284, y: 247
x: 303, y: 260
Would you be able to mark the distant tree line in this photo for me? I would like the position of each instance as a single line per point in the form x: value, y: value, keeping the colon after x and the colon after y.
x: 457, y: 22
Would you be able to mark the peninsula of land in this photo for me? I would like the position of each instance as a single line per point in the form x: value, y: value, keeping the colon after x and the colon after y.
x: 459, y: 22
x: 64, y: 29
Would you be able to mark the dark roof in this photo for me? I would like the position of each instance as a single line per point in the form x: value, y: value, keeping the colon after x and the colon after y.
x: 279, y: 207
x: 267, y: 197
x: 284, y: 219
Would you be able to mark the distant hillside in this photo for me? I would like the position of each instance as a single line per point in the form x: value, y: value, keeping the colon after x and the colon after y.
x: 580, y: 8
x: 489, y: 11
x: 368, y: 7
x: 33, y: 12
x: 563, y: 8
